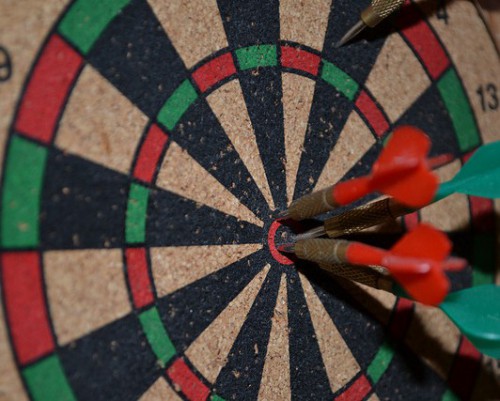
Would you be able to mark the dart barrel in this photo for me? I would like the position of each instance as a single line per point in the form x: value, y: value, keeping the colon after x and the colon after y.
x: 361, y: 275
x: 365, y: 216
x: 379, y: 10
x: 313, y: 204
x: 322, y: 250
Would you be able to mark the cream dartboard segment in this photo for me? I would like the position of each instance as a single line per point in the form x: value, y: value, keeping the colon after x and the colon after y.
x: 147, y: 147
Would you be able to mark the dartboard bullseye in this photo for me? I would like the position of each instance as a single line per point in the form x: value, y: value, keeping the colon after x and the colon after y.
x: 149, y: 146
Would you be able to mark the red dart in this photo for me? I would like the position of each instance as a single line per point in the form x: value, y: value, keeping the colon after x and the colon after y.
x: 417, y: 262
x: 401, y: 171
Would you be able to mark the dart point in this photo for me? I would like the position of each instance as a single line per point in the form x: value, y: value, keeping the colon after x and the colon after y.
x: 287, y: 248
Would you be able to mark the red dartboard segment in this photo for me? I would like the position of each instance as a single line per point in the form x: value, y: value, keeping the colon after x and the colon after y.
x: 298, y: 59
x: 47, y: 90
x: 357, y: 391
x: 150, y: 153
x: 369, y: 109
x: 22, y: 284
x: 401, y: 319
x: 482, y: 209
x: 483, y: 214
x: 418, y: 33
x: 138, y: 277
x: 209, y: 74
x: 465, y: 368
x: 190, y: 385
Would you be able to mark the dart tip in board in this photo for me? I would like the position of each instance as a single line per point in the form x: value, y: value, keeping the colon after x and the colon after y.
x: 283, y: 215
x: 312, y: 233
x: 351, y: 34
x: 287, y: 248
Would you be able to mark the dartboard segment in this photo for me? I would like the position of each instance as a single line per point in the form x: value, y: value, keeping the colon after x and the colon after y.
x: 208, y: 353
x: 75, y: 310
x: 190, y: 310
x: 406, y: 78
x: 275, y: 382
x: 252, y: 30
x: 160, y: 390
x: 305, y: 25
x: 104, y: 353
x: 175, y: 267
x: 333, y: 348
x: 345, y: 154
x: 229, y: 106
x: 181, y: 174
x: 95, y: 115
x: 449, y: 214
x: 473, y: 75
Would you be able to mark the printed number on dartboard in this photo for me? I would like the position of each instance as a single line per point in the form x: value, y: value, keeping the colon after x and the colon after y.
x: 5, y: 65
x: 488, y: 95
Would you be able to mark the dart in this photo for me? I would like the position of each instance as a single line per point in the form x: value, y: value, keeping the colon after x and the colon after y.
x: 474, y: 310
x: 480, y: 176
x: 417, y: 262
x: 401, y: 168
x: 370, y: 17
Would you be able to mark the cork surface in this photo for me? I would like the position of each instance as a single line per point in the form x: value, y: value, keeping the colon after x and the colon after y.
x: 332, y: 346
x: 181, y: 174
x: 160, y: 390
x: 229, y: 106
x: 206, y: 289
x: 275, y: 382
x: 354, y: 141
x: 449, y: 214
x: 100, y: 124
x: 176, y: 267
x: 69, y: 277
x: 401, y: 71
x: 209, y: 351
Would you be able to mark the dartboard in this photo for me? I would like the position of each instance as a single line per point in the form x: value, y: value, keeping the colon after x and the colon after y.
x: 147, y: 149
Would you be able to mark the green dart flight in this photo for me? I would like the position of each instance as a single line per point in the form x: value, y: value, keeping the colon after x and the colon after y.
x: 476, y: 312
x: 480, y: 176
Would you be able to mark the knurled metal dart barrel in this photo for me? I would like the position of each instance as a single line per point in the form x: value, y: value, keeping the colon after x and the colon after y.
x: 311, y: 205
x: 370, y: 17
x: 358, y: 219
x: 362, y: 275
x: 332, y: 256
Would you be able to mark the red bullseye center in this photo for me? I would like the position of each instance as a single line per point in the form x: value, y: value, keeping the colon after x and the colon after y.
x: 271, y: 241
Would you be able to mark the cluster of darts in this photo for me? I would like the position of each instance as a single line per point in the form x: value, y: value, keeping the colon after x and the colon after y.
x: 416, y: 265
